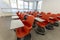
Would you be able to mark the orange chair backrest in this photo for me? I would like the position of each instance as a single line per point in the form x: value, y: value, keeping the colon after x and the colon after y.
x: 30, y: 19
x: 58, y: 14
x: 18, y: 13
x: 54, y: 16
x: 49, y: 14
x: 21, y: 15
x: 42, y: 13
x: 30, y: 12
x: 34, y: 14
x: 44, y: 16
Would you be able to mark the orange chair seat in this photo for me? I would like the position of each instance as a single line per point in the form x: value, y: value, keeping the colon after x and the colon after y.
x: 42, y: 24
x: 22, y: 32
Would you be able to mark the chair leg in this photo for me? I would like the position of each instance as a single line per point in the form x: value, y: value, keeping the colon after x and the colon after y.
x: 34, y: 24
x: 18, y: 38
x: 28, y: 37
x: 40, y: 31
x: 56, y: 24
x: 50, y: 27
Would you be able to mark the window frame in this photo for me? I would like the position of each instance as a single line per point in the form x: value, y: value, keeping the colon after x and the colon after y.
x: 20, y: 9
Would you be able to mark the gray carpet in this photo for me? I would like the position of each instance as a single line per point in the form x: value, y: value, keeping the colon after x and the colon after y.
x: 49, y: 35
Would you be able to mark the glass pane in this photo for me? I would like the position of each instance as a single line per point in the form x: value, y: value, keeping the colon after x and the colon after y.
x: 39, y: 10
x: 30, y: 5
x: 39, y: 4
x: 31, y: 10
x: 21, y: 10
x: 26, y: 10
x: 14, y: 10
x: 13, y: 3
x: 26, y: 5
x: 20, y: 4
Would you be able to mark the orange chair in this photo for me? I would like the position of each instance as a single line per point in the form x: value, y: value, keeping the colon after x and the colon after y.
x: 52, y: 19
x: 44, y: 24
x: 54, y: 16
x: 23, y: 31
x: 34, y: 14
x: 41, y: 25
x: 21, y: 15
x: 30, y: 13
x: 18, y: 13
x: 42, y: 13
x: 58, y: 16
x: 44, y: 17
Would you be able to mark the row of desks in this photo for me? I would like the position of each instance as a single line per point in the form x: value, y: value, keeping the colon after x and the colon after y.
x: 15, y: 23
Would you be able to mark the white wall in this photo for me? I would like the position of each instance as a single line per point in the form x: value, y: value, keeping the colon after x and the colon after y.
x: 51, y: 6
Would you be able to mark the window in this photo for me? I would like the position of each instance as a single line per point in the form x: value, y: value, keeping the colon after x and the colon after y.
x: 13, y: 4
x: 30, y: 5
x: 16, y: 5
x: 20, y: 4
x: 39, y: 5
x: 25, y: 5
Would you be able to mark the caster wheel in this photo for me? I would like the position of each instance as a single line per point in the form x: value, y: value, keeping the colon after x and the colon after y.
x: 56, y: 24
x: 34, y: 25
x: 40, y: 31
x: 50, y: 27
x: 28, y: 37
x: 14, y: 30
x: 18, y: 38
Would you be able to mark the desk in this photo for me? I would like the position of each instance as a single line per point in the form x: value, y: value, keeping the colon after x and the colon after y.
x: 39, y: 19
x: 16, y: 24
x: 15, y: 17
x: 7, y: 15
x: 51, y: 17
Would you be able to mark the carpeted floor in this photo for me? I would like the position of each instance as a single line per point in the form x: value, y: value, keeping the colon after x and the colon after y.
x: 49, y: 35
